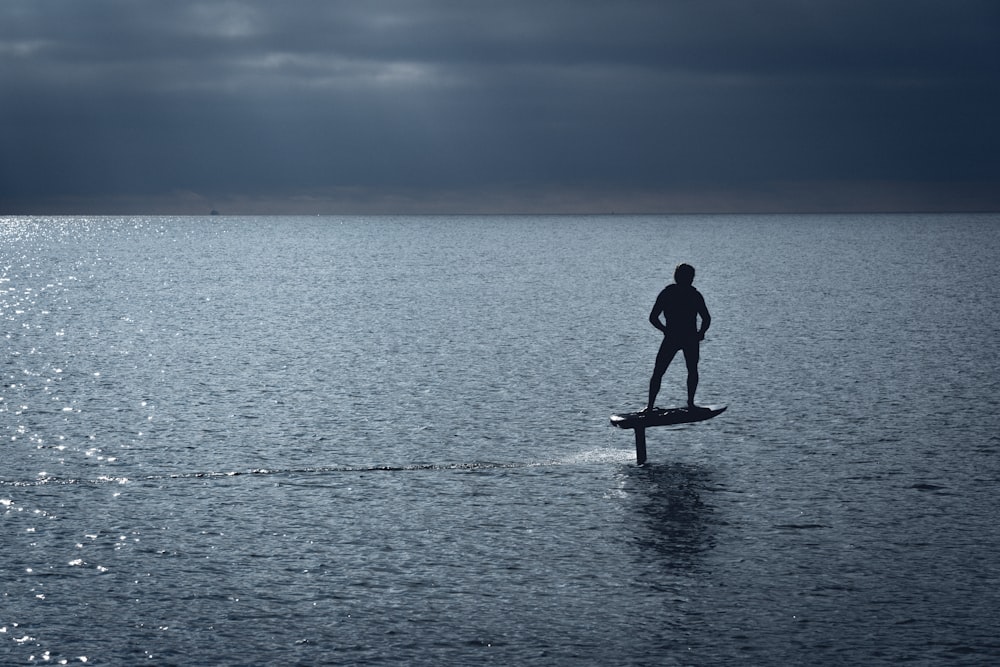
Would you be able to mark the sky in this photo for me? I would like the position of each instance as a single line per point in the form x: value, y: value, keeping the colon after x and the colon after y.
x: 501, y: 106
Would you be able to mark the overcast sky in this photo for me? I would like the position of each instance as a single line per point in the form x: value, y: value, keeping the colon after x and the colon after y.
x: 322, y: 106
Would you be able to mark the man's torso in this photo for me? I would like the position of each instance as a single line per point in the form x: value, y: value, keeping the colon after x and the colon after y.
x: 680, y: 305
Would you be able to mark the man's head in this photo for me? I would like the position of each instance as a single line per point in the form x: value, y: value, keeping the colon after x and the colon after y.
x: 684, y: 274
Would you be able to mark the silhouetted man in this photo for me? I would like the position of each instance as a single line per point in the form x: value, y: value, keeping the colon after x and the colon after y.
x: 680, y: 305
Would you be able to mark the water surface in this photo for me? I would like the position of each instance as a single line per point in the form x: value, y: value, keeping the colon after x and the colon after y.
x: 385, y: 440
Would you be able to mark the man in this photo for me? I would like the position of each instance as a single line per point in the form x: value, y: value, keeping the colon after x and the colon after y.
x: 680, y: 305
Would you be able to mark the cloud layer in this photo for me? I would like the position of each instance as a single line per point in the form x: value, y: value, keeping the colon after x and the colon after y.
x: 437, y: 105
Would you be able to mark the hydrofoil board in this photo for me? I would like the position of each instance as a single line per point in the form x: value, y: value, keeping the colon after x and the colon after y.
x: 667, y: 416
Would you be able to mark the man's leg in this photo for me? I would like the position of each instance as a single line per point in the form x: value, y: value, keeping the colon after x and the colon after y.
x: 691, y: 357
x: 663, y: 359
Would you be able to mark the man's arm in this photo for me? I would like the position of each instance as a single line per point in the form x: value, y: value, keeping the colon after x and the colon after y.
x: 706, y: 320
x: 654, y: 316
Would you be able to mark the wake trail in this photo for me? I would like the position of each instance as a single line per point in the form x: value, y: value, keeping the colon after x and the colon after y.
x: 599, y: 456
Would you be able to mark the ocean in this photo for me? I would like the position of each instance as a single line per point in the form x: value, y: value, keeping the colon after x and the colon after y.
x: 385, y: 440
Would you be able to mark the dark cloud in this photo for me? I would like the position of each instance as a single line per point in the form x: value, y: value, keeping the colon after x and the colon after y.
x: 438, y: 103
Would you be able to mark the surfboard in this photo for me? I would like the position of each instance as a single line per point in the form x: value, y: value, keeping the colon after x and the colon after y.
x: 666, y: 416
